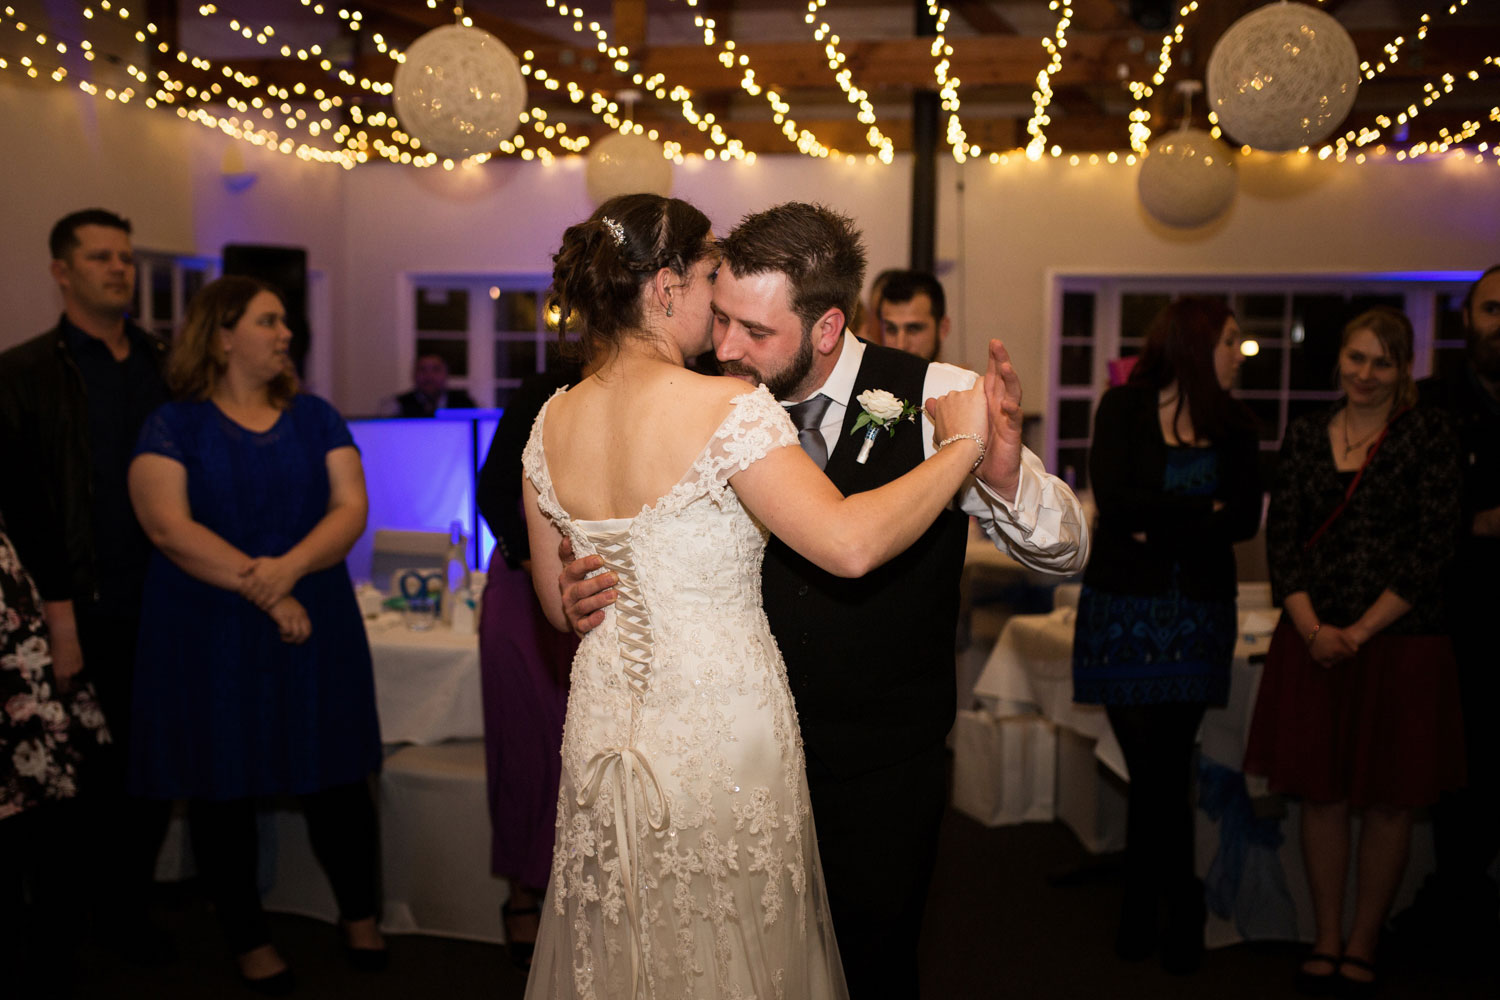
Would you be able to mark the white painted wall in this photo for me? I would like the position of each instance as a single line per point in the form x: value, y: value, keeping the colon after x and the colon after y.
x: 998, y: 239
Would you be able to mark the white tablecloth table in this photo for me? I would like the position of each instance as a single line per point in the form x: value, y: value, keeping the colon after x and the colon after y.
x: 426, y: 683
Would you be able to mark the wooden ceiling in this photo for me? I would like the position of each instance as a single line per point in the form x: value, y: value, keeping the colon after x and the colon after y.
x: 997, y: 54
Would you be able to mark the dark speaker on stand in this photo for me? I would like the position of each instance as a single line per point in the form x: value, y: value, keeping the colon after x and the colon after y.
x: 285, y: 269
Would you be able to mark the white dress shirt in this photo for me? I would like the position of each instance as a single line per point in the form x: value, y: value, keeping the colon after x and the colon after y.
x: 1044, y: 529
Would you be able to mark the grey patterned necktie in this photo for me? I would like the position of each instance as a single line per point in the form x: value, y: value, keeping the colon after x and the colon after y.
x: 808, y: 417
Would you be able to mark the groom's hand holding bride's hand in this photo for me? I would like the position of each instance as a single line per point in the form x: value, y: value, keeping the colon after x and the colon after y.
x: 584, y: 597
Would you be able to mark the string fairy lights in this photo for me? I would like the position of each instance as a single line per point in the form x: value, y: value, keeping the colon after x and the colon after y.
x: 1042, y: 96
x: 1140, y: 117
x: 303, y: 118
x: 806, y: 142
x: 884, y: 148
x: 948, y: 84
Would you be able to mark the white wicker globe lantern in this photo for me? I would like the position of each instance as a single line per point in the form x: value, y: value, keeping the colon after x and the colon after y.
x: 459, y: 92
x: 1187, y: 179
x: 627, y: 164
x: 1283, y: 77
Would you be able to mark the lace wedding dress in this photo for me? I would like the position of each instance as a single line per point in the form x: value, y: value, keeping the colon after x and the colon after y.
x: 685, y: 864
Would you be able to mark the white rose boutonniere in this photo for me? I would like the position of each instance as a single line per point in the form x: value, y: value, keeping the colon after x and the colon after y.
x: 882, y: 410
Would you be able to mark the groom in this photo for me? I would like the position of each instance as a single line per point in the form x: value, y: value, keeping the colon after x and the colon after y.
x: 870, y: 661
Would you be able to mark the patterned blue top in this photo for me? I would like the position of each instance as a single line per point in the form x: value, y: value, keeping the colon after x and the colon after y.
x: 1130, y: 649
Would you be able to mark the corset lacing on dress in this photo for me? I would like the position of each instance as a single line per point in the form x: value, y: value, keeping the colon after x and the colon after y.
x: 634, y: 782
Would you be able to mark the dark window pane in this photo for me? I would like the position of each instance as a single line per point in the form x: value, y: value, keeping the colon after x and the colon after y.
x: 1450, y: 318
x: 161, y: 292
x: 192, y: 280
x: 514, y: 358
x: 1262, y: 370
x: 1262, y: 307
x: 455, y: 353
x: 1267, y: 417
x: 1078, y: 314
x: 1073, y: 467
x: 1317, y: 326
x: 442, y: 309
x: 515, y: 312
x: 1077, y: 365
x: 1137, y: 312
x: 1073, y: 418
x: 1131, y: 349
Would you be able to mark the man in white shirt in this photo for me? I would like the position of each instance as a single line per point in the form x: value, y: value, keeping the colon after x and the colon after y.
x: 870, y: 661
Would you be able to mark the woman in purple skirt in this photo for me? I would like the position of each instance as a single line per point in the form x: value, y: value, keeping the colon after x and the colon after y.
x: 524, y: 664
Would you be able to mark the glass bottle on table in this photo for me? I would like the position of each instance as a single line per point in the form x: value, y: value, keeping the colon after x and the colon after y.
x: 456, y: 572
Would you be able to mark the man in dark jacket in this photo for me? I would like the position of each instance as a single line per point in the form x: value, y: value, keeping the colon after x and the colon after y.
x: 1457, y: 914
x: 72, y: 402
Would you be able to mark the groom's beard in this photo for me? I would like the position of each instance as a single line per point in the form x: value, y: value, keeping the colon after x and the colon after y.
x: 786, y: 383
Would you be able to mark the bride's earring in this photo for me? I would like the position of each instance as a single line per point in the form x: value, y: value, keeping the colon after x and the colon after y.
x: 669, y: 307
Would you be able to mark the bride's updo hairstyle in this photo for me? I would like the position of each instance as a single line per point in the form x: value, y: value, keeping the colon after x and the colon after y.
x: 605, y: 260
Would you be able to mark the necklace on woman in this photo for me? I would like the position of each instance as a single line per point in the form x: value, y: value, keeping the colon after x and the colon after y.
x: 1349, y: 447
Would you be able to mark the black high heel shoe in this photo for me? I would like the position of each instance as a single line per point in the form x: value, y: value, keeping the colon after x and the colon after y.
x: 279, y: 984
x: 1317, y: 984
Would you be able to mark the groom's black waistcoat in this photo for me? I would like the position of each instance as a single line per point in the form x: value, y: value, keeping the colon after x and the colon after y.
x: 870, y: 661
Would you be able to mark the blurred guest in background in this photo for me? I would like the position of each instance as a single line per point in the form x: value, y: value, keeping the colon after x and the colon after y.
x: 430, y: 392
x: 1173, y: 465
x: 866, y: 320
x: 913, y: 314
x: 1456, y: 914
x: 523, y: 671
x: 1358, y: 703
x: 72, y: 402
x: 45, y: 729
x: 255, y: 676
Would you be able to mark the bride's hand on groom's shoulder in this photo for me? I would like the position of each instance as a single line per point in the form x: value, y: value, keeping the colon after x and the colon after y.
x: 584, y: 597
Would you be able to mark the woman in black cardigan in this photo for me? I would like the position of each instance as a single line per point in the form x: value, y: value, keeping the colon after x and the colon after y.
x: 1173, y: 467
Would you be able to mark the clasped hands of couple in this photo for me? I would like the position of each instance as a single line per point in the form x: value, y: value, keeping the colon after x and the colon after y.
x: 266, y: 582
x: 586, y: 597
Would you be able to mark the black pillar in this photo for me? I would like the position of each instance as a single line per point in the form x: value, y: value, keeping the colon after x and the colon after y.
x: 925, y: 112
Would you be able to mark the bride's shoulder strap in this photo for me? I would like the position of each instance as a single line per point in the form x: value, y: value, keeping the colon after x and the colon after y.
x: 533, y: 457
x: 756, y: 426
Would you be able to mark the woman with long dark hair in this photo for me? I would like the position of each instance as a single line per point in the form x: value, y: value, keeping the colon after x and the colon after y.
x: 1173, y: 468
x: 1358, y: 706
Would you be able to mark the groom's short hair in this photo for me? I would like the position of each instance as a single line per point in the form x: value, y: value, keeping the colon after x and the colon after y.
x: 820, y: 251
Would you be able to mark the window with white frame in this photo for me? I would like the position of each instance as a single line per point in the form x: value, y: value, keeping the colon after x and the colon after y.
x: 165, y: 284
x: 492, y: 330
x: 1292, y: 328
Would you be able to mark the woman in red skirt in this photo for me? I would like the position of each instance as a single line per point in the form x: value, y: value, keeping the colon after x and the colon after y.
x: 1358, y: 705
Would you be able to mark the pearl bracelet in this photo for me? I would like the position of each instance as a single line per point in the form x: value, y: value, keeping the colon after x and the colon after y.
x: 945, y: 442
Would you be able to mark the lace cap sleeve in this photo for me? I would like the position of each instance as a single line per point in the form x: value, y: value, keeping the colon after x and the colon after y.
x: 161, y: 435
x: 534, y: 462
x: 756, y: 426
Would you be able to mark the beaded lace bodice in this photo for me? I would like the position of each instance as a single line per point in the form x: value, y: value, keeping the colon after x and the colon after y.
x: 681, y: 744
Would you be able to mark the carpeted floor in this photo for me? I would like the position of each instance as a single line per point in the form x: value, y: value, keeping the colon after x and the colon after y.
x: 996, y: 927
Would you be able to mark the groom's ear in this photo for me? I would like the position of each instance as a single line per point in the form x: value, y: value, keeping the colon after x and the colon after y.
x: 828, y: 331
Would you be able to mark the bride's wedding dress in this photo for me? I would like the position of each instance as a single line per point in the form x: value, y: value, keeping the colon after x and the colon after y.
x: 685, y: 863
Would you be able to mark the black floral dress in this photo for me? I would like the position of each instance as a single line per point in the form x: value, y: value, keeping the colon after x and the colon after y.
x: 43, y: 734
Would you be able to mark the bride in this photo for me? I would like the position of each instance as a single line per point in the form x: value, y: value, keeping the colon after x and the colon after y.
x: 685, y: 863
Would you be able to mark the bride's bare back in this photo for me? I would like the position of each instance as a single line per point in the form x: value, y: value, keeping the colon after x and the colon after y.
x: 619, y: 441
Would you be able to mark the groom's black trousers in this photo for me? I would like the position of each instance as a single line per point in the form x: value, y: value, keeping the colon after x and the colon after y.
x: 877, y: 838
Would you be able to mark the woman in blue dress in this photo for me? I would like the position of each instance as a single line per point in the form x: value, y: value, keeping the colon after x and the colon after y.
x: 1173, y: 468
x: 255, y: 676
